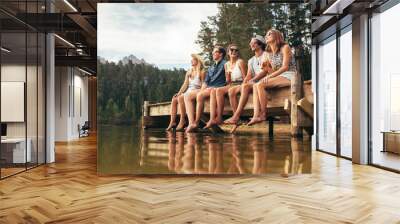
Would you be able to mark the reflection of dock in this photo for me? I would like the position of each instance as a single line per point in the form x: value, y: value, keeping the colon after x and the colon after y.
x: 199, y: 154
x: 300, y: 113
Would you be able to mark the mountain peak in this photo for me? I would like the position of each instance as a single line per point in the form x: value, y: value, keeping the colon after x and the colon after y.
x: 101, y: 60
x: 132, y: 58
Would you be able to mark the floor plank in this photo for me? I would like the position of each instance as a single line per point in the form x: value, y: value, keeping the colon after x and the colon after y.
x: 70, y: 191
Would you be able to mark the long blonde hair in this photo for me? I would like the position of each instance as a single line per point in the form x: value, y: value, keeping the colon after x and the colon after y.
x: 199, y: 68
x: 278, y: 37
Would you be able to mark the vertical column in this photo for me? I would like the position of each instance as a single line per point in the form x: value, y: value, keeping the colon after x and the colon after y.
x: 50, y: 92
x: 360, y: 89
x: 92, y: 101
x: 63, y: 120
x: 338, y: 74
x: 314, y: 90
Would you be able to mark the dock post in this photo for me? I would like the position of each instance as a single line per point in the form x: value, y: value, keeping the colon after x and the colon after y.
x: 296, y: 116
x: 145, y: 116
x: 271, y: 127
x: 146, y: 108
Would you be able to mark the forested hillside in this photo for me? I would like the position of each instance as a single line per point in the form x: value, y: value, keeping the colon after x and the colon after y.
x: 123, y: 88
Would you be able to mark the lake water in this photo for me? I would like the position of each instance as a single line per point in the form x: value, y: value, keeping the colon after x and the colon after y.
x: 132, y: 150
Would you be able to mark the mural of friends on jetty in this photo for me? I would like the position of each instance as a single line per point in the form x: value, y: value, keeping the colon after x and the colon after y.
x: 209, y: 69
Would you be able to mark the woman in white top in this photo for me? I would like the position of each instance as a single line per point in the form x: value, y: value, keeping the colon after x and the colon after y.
x: 281, y: 66
x: 235, y: 73
x: 193, y: 80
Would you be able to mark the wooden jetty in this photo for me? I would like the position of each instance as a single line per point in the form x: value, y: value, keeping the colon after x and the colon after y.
x: 294, y: 101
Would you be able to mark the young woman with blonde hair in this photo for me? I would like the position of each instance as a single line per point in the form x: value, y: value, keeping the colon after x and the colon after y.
x: 193, y: 81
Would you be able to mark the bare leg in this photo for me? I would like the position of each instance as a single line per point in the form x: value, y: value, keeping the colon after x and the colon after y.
x: 174, y: 105
x: 189, y: 104
x: 213, y: 108
x: 262, y: 99
x: 256, y: 103
x: 181, y: 104
x: 201, y: 96
x: 232, y: 93
x: 221, y: 92
x: 260, y: 113
x: 245, y: 91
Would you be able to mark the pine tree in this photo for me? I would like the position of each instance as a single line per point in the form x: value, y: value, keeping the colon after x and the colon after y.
x: 206, y: 39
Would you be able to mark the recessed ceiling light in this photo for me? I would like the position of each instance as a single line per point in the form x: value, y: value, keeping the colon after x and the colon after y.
x: 5, y: 50
x: 338, y: 6
x: 70, y: 5
x: 64, y: 40
x: 86, y: 72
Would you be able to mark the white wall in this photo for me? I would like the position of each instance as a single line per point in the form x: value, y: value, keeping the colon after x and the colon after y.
x: 12, y: 73
x: 33, y: 126
x: 71, y: 94
x: 80, y: 110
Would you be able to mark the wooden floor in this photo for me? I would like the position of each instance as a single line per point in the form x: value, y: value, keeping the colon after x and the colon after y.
x: 69, y: 191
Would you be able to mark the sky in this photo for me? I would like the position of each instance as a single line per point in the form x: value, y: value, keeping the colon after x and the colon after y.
x: 162, y: 34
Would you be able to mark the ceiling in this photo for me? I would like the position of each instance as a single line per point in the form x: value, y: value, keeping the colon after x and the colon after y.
x: 328, y: 13
x: 73, y: 21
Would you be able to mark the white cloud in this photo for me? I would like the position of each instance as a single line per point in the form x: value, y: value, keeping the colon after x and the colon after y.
x: 159, y: 33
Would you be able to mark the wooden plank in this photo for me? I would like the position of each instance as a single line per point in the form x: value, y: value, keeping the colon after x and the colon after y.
x: 306, y: 107
x: 155, y: 121
x: 286, y: 106
x: 308, y: 94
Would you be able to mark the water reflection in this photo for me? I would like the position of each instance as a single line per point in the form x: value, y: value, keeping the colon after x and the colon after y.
x: 127, y: 150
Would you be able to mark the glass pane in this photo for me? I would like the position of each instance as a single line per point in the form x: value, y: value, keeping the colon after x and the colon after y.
x: 14, y: 153
x: 31, y: 86
x: 31, y: 97
x: 327, y: 96
x: 346, y: 94
x: 385, y: 86
x: 41, y: 98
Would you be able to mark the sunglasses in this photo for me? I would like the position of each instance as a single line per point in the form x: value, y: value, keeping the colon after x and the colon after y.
x: 234, y: 49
